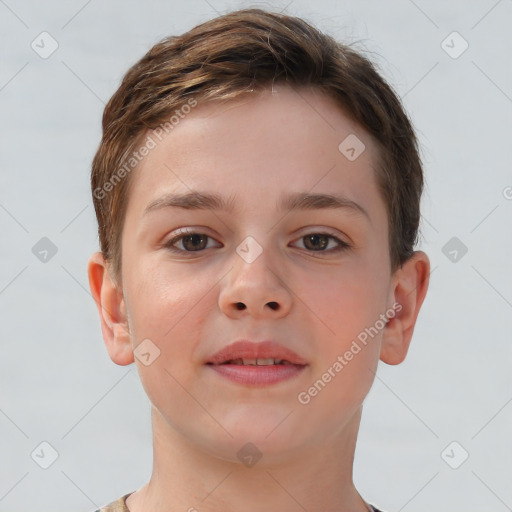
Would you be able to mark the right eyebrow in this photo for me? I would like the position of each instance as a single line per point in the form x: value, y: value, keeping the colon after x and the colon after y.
x: 191, y: 201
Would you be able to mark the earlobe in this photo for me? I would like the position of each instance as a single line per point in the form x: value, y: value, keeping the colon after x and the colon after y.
x: 111, y: 308
x: 410, y: 285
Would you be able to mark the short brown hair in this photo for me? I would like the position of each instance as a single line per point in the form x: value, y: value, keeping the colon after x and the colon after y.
x: 232, y: 54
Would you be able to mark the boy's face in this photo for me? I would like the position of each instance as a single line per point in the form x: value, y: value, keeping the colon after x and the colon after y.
x: 299, y: 291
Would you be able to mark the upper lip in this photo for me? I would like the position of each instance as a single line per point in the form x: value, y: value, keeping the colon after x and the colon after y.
x: 244, y: 349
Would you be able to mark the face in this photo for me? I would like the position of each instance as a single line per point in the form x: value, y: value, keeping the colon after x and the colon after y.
x: 311, y: 279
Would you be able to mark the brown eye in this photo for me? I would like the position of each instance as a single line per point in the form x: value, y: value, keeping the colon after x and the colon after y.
x: 318, y: 242
x: 194, y: 242
x: 190, y: 242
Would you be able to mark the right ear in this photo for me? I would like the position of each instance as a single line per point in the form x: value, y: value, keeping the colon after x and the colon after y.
x: 111, y: 308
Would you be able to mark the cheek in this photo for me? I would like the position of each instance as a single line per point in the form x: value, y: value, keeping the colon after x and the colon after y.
x: 166, y: 313
x: 166, y: 310
x: 348, y: 305
x: 343, y: 302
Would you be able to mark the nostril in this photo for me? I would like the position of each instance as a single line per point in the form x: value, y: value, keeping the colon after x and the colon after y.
x: 272, y: 305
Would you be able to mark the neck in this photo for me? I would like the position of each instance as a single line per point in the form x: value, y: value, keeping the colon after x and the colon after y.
x: 185, y: 477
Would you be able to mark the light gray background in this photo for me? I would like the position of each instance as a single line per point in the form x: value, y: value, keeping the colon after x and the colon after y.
x: 57, y: 383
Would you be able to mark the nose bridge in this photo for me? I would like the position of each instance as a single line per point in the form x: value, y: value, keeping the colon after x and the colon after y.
x: 253, y: 262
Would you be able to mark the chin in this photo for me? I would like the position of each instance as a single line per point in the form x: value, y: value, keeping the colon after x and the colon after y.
x: 273, y: 437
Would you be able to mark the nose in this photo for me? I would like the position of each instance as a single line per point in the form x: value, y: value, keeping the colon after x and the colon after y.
x: 255, y: 289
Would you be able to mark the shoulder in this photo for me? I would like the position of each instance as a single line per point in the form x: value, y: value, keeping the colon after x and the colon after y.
x: 118, y: 505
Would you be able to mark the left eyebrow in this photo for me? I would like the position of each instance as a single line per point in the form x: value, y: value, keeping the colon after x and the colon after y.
x: 307, y: 201
x: 297, y: 201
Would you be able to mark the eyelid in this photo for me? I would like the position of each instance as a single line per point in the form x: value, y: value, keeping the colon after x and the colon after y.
x: 323, y: 230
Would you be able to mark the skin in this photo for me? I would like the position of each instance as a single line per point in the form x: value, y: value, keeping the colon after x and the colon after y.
x: 253, y: 150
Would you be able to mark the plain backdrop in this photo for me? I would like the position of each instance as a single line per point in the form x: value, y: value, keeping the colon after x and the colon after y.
x: 435, y: 433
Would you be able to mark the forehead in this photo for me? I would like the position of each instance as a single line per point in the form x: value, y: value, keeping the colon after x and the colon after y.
x: 255, y: 147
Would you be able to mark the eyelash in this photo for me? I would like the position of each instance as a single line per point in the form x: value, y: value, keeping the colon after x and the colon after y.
x: 342, y: 245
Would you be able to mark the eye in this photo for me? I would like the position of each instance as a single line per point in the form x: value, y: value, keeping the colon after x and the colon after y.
x: 317, y: 242
x: 191, y: 241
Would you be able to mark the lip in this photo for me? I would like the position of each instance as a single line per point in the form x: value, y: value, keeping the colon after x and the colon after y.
x: 256, y: 375
x: 244, y: 349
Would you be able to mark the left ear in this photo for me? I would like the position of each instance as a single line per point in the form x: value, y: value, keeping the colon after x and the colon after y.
x: 410, y: 284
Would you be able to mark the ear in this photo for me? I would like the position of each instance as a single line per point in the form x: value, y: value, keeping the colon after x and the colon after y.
x: 409, y: 287
x: 111, y: 308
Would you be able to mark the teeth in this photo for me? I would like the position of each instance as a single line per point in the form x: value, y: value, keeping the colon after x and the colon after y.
x: 261, y: 362
x: 258, y: 362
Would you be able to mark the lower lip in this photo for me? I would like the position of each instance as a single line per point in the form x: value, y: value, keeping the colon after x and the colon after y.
x: 254, y: 375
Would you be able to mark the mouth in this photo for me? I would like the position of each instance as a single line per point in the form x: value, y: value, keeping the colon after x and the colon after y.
x: 264, y: 353
x: 256, y: 364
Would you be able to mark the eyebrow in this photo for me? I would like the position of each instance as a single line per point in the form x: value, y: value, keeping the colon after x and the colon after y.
x: 297, y: 201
